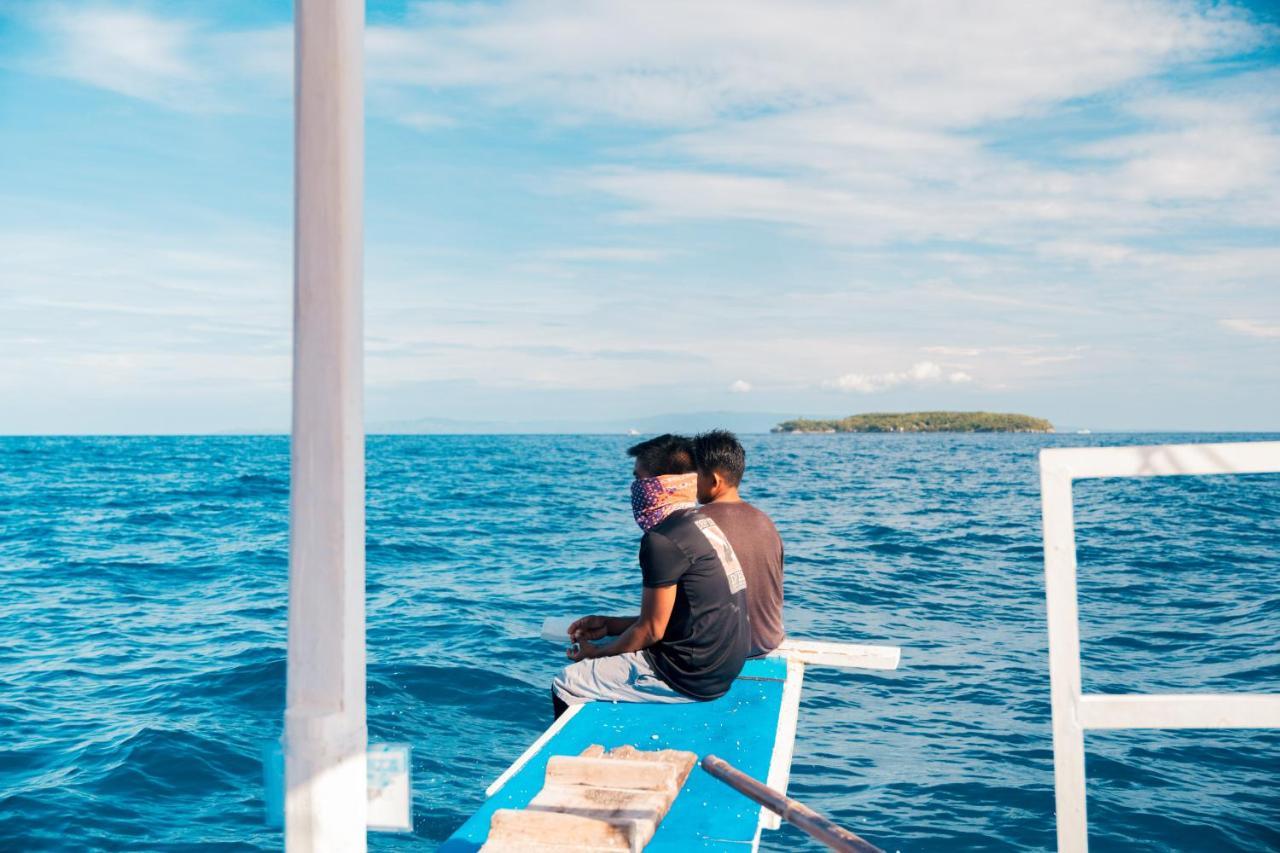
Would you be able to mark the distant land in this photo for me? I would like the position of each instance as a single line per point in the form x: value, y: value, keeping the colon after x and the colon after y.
x: 920, y: 422
x: 686, y: 422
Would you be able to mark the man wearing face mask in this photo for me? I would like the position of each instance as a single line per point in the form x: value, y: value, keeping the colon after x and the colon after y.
x: 692, y: 635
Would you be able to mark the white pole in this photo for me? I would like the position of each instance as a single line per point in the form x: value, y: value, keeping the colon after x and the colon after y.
x: 325, y: 731
x: 1061, y: 605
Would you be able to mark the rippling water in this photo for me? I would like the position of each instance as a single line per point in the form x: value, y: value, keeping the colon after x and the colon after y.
x: 143, y: 580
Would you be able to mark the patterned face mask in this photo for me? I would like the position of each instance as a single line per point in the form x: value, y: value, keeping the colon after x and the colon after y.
x: 655, y: 498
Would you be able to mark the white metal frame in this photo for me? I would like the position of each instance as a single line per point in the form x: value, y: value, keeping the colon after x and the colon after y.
x: 1074, y: 713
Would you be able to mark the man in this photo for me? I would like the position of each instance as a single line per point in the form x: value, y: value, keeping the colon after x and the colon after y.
x: 721, y: 462
x: 691, y: 637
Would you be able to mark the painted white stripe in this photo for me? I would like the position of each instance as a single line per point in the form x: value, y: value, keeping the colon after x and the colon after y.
x: 1180, y: 711
x: 784, y: 743
x: 843, y: 655
x: 532, y: 750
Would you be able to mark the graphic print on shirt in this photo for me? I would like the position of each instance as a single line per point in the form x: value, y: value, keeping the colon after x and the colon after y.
x: 720, y: 542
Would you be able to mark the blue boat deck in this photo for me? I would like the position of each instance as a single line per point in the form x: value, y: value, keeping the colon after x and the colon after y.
x: 752, y: 727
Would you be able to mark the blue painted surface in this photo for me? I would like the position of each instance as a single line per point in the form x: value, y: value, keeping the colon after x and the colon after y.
x: 740, y: 727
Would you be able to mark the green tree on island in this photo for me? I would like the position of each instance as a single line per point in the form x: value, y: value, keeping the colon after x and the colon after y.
x: 921, y: 422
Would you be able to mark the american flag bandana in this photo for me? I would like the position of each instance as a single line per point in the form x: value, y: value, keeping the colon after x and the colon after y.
x: 655, y: 498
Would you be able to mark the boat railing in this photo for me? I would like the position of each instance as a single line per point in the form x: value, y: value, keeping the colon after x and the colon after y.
x: 1075, y: 712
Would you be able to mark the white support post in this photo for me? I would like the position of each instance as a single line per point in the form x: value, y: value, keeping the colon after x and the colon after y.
x: 1064, y: 657
x: 1073, y: 712
x: 325, y: 730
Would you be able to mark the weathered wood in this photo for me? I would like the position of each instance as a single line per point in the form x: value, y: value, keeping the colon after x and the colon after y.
x: 682, y: 760
x: 797, y: 814
x: 627, y: 789
x: 523, y: 831
x: 611, y: 773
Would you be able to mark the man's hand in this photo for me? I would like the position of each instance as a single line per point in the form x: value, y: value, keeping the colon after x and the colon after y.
x: 582, y: 651
x: 589, y: 628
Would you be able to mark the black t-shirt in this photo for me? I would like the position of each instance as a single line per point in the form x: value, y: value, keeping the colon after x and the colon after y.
x: 708, y: 635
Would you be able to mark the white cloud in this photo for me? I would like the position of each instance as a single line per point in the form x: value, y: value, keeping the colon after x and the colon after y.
x: 143, y: 311
x: 1252, y: 328
x: 1056, y: 150
x: 183, y: 63
x: 426, y: 122
x: 672, y: 62
x: 920, y: 373
x: 607, y: 254
x: 801, y: 115
x: 122, y: 50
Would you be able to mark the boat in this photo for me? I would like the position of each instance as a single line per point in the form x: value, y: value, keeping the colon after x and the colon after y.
x: 753, y: 727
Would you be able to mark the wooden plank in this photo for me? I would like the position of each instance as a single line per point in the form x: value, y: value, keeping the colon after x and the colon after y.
x: 628, y: 789
x: 638, y: 812
x: 682, y: 760
x: 612, y: 772
x: 1181, y: 711
x: 520, y: 831
x: 843, y: 655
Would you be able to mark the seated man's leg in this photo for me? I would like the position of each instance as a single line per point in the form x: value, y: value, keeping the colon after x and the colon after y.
x: 618, y: 678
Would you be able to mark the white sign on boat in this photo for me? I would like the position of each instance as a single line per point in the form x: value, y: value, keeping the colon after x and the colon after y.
x: 388, y: 785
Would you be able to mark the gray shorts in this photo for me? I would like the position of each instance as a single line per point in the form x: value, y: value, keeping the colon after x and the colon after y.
x: 618, y: 678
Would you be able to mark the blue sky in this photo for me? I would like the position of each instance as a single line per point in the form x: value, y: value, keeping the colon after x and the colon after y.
x: 609, y: 210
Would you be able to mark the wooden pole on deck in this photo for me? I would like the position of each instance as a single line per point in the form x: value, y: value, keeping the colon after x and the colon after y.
x: 325, y: 729
x: 795, y: 813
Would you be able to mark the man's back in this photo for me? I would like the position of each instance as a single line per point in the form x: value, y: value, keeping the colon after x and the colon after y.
x: 759, y: 549
x: 707, y: 637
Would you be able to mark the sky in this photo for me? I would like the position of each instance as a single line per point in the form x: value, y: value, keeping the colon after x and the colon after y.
x: 610, y: 210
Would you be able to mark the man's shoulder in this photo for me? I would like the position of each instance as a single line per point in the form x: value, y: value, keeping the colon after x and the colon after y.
x: 685, y: 531
x: 679, y: 520
x: 740, y: 511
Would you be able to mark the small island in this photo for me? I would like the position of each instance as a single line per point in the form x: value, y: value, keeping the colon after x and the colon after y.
x: 920, y: 422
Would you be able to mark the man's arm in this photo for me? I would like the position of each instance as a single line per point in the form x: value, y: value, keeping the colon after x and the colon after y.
x: 644, y: 631
x: 596, y: 627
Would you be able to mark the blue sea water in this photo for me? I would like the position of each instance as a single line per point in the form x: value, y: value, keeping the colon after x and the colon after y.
x: 143, y: 584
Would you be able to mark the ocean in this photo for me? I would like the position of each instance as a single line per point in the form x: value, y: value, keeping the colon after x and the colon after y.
x: 142, y: 644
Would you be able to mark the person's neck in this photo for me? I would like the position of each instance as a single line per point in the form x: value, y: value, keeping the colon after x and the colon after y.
x: 728, y: 496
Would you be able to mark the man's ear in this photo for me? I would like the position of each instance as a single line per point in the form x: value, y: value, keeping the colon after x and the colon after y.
x: 718, y: 483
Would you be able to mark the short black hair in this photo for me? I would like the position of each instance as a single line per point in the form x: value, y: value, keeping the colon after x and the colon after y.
x: 720, y: 450
x: 666, y: 454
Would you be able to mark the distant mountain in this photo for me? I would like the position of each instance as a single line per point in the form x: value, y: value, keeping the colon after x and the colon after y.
x: 688, y: 422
